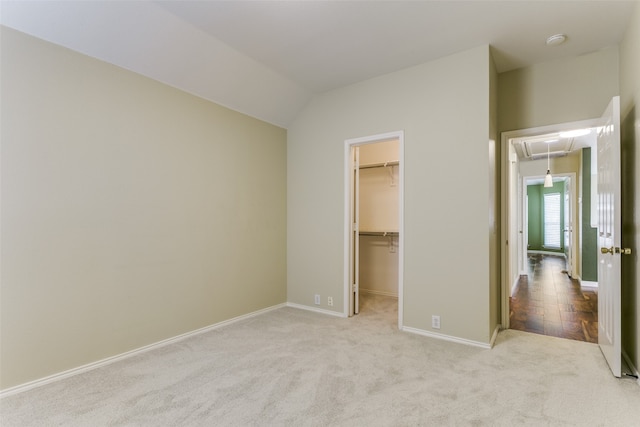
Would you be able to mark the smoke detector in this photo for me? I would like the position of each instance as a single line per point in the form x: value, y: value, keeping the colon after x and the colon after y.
x: 556, y: 39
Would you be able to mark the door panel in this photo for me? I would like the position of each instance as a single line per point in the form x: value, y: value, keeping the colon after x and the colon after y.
x: 568, y: 227
x: 354, y: 256
x: 609, y: 237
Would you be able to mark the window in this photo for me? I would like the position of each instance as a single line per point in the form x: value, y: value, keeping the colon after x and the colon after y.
x: 552, y: 220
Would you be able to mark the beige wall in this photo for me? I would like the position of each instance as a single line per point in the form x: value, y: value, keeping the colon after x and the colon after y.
x: 131, y: 212
x: 630, y: 111
x: 565, y: 90
x: 443, y: 108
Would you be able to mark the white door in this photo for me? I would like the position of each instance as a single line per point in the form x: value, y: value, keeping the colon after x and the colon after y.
x: 354, y: 269
x: 568, y: 227
x: 609, y: 237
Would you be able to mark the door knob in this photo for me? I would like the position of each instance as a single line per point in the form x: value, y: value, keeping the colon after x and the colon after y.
x: 616, y: 250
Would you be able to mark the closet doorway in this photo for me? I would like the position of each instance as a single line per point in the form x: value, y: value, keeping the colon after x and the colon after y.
x: 374, y: 189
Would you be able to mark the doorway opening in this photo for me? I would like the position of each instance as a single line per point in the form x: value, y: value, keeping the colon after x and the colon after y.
x: 373, y: 223
x: 549, y: 232
x: 608, y: 245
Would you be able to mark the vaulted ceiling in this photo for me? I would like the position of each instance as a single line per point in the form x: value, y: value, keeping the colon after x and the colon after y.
x: 267, y: 59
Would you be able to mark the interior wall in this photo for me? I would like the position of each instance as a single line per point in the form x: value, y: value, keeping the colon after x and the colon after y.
x: 132, y: 212
x: 429, y: 102
x: 534, y: 217
x: 630, y: 135
x: 379, y: 208
x: 565, y: 90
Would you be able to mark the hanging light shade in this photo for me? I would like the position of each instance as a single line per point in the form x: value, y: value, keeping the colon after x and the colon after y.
x: 548, y: 179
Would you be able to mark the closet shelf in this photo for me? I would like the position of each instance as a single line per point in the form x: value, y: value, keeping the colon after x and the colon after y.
x: 380, y: 165
x: 379, y: 233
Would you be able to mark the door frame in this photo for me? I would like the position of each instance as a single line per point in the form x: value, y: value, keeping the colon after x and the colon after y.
x: 511, y: 219
x: 348, y: 196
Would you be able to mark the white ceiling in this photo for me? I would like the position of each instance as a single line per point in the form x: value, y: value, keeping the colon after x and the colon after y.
x: 268, y: 58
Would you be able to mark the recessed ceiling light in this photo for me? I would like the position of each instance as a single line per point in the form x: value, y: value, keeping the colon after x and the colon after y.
x: 556, y: 39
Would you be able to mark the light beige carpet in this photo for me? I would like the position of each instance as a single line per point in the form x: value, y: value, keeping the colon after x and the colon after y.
x: 291, y: 367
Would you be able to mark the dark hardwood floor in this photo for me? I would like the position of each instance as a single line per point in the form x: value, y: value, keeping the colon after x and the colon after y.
x: 548, y: 302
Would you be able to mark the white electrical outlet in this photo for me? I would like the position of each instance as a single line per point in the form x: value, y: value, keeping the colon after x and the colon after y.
x: 330, y: 301
x: 435, y: 322
x: 316, y: 299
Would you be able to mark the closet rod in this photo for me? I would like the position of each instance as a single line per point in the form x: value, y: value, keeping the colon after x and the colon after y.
x: 380, y: 165
x: 379, y: 233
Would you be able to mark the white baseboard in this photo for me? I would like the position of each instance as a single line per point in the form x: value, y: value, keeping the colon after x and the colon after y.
x: 315, y: 309
x: 543, y: 252
x: 383, y: 293
x: 109, y: 360
x: 446, y: 337
x: 588, y: 284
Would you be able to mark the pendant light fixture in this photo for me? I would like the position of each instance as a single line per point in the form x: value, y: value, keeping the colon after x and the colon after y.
x: 548, y: 179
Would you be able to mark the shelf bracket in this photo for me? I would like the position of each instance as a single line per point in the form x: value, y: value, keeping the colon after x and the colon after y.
x: 389, y: 168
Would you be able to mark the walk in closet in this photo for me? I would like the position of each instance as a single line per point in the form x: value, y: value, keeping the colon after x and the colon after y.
x: 378, y: 214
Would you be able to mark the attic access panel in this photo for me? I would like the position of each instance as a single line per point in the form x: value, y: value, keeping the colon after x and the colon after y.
x: 537, y: 148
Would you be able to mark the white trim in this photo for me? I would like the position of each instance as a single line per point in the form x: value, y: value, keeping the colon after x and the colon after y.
x: 315, y: 309
x: 542, y: 252
x: 494, y: 336
x: 119, y: 357
x: 588, y: 284
x: 348, y: 144
x: 347, y: 229
x: 446, y: 337
x: 383, y: 293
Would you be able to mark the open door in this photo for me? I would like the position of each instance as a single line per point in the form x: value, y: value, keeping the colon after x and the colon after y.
x: 354, y: 267
x: 609, y: 237
x: 568, y: 227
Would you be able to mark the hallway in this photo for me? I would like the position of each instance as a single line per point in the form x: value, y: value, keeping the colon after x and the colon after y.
x: 548, y: 302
